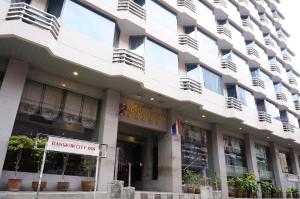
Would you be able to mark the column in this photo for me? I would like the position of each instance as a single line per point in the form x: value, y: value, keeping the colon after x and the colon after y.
x: 106, y: 133
x: 295, y: 163
x: 10, y: 96
x: 218, y: 153
x: 277, y: 167
x: 251, y: 157
x: 169, y: 159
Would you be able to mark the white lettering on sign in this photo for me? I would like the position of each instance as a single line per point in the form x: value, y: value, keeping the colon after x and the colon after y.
x: 72, y: 146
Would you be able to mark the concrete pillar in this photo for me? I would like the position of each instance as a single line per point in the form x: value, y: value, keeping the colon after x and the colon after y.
x: 169, y: 159
x: 107, y: 132
x: 10, y: 96
x: 251, y: 157
x: 277, y: 170
x: 219, y: 163
x: 295, y: 163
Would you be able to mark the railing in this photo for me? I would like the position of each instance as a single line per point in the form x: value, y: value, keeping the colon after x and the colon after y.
x: 227, y: 63
x: 129, y: 58
x: 188, y: 4
x: 281, y: 96
x: 281, y: 35
x: 232, y: 149
x: 293, y: 81
x: 264, y: 117
x: 275, y: 68
x: 224, y: 30
x: 286, y: 57
x: 132, y: 7
x: 232, y: 102
x: 247, y: 23
x: 258, y: 82
x: 190, y: 84
x: 297, y: 106
x: 269, y: 42
x: 264, y: 19
x: 31, y: 15
x: 188, y: 40
x: 252, y: 51
x: 265, y: 175
x: 244, y: 1
x: 287, y: 127
x: 235, y: 170
x: 222, y: 2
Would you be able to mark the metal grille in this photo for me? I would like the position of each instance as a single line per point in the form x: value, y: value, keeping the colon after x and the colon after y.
x: 281, y: 96
x: 258, y: 82
x: 287, y: 127
x: 264, y: 117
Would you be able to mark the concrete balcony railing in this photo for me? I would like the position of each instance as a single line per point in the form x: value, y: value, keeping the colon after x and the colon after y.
x: 188, y: 40
x: 281, y: 96
x: 224, y: 30
x: 287, y: 127
x: 233, y: 103
x: 258, y: 82
x: 287, y: 57
x: 293, y: 81
x: 33, y: 16
x: 127, y: 57
x: 281, y: 35
x: 265, y: 175
x: 269, y: 42
x: 244, y: 1
x: 252, y: 51
x: 247, y: 23
x: 297, y: 106
x: 228, y: 64
x: 132, y: 7
x: 264, y: 117
x: 275, y: 68
x: 264, y: 19
x: 191, y: 85
x: 235, y: 170
x: 221, y: 2
x: 189, y: 4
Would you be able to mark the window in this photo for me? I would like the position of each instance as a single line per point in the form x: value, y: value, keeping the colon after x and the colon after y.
x: 272, y: 110
x: 206, y: 13
x: 194, y: 72
x: 245, y: 96
x: 212, y: 81
x: 136, y: 44
x: 260, y: 105
x: 267, y: 80
x: 54, y: 7
x: 285, y: 163
x: 159, y: 56
x: 208, y: 44
x: 89, y: 23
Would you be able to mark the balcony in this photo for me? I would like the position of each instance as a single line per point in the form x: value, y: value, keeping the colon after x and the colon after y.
x: 264, y: 117
x: 221, y: 2
x: 33, y: 16
x: 187, y: 4
x: 292, y: 81
x: 190, y: 85
x: 265, y: 175
x: 269, y: 42
x: 129, y: 58
x: 275, y: 68
x: 281, y: 96
x: 189, y: 41
x: 297, y: 106
x: 132, y: 7
x: 233, y: 103
x: 236, y: 171
x: 247, y: 23
x: 258, y: 82
x: 228, y: 64
x: 287, y: 127
x: 252, y: 51
x: 224, y: 30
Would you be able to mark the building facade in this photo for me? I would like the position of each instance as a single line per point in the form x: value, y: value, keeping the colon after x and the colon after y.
x: 121, y: 72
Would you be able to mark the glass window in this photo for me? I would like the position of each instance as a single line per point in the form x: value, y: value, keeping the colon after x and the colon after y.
x: 245, y: 96
x: 136, y: 44
x: 212, y: 81
x: 54, y: 7
x: 272, y: 110
x: 207, y: 43
x: 194, y: 72
x: 89, y: 23
x: 267, y: 80
x: 260, y: 105
x: 206, y: 12
x: 158, y: 56
x: 159, y: 14
x: 293, y: 120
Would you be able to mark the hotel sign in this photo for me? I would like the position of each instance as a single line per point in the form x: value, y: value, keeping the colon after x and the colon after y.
x: 141, y: 114
x: 72, y: 146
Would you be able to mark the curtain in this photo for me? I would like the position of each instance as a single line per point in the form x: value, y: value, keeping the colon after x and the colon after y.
x: 72, y: 108
x: 89, y: 112
x: 51, y: 103
x: 31, y: 98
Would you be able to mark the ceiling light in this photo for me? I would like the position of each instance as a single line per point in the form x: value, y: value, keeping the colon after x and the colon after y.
x: 64, y: 85
x: 204, y: 116
x: 289, y: 144
x: 268, y: 137
x: 75, y: 73
x: 152, y: 99
x: 240, y: 128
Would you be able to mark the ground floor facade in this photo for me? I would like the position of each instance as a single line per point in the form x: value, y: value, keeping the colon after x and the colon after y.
x: 137, y: 133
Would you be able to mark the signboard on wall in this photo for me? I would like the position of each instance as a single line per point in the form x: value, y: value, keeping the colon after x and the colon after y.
x: 141, y: 114
x: 72, y: 146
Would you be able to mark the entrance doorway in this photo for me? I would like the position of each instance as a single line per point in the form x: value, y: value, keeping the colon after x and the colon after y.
x: 130, y: 152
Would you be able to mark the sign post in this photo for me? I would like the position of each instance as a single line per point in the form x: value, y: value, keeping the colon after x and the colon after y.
x: 71, y: 146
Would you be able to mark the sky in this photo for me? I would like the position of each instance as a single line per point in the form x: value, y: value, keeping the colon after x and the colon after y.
x: 289, y: 9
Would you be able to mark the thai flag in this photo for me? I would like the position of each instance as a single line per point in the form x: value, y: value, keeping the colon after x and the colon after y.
x: 176, y: 128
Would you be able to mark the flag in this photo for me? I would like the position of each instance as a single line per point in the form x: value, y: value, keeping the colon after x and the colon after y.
x: 176, y: 128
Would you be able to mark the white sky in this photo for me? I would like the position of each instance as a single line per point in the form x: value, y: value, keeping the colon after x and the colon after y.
x: 290, y: 9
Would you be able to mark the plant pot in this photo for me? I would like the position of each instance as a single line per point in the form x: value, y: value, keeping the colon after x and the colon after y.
x: 63, y: 186
x: 87, y: 185
x: 231, y: 194
x: 296, y: 195
x: 191, y: 190
x: 34, y: 185
x: 239, y: 194
x: 197, y: 190
x: 14, y: 184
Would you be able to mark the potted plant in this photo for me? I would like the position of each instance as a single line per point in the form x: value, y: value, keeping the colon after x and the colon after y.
x: 289, y: 192
x: 240, y: 187
x: 88, y: 165
x: 190, y: 179
x: 63, y: 185
x: 231, y: 187
x: 18, y: 144
x: 295, y: 193
x: 266, y: 189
